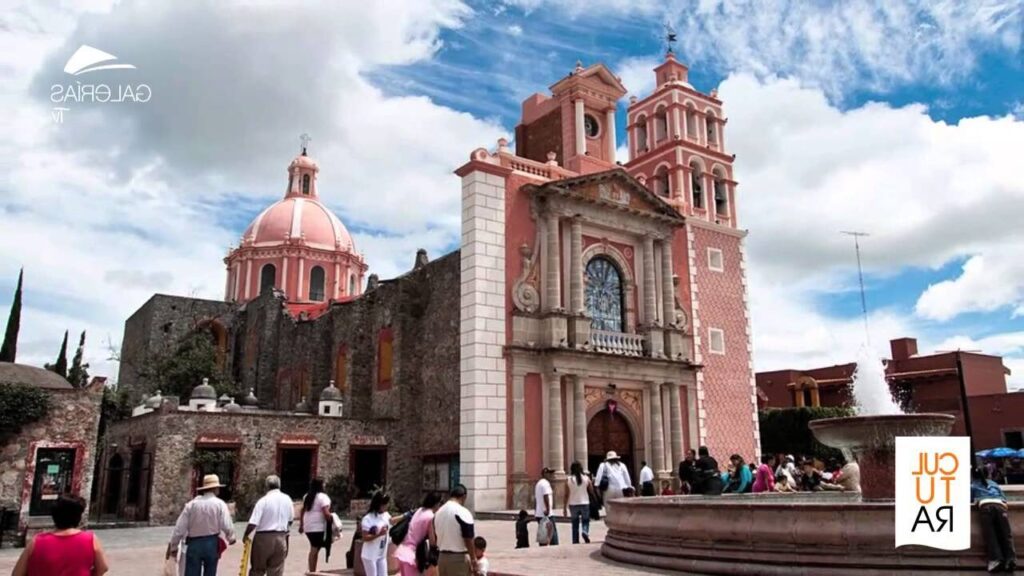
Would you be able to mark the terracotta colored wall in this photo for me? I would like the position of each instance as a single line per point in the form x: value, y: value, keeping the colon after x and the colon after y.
x: 994, y: 414
x: 534, y: 424
x: 727, y: 378
x: 983, y: 374
x: 544, y: 135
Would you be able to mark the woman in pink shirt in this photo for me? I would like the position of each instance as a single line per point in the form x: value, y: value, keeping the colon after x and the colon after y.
x: 764, y: 478
x: 420, y: 527
x: 66, y: 551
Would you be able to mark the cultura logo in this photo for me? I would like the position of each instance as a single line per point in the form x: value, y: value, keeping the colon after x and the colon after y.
x: 88, y: 59
x: 933, y: 492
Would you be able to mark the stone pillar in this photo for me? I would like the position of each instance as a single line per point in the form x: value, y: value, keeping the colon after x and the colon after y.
x: 581, y: 136
x: 679, y: 193
x: 579, y: 422
x: 553, y: 294
x: 709, y: 196
x: 576, y: 267
x: 284, y: 278
x: 668, y: 301
x: 518, y: 424
x: 650, y: 291
x: 609, y: 126
x: 248, y: 278
x: 675, y: 414
x: 657, y: 431
x: 675, y: 123
x: 555, y: 452
x: 298, y: 289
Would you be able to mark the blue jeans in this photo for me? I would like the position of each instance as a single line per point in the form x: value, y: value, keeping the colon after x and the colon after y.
x: 580, y: 513
x: 201, y: 556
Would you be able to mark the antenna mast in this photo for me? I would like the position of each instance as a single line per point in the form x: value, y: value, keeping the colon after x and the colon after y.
x: 860, y: 275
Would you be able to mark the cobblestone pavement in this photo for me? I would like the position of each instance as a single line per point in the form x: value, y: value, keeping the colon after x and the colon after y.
x: 139, y: 552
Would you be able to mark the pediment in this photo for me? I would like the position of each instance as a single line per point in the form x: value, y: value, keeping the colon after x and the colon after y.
x: 615, y: 189
x: 596, y: 76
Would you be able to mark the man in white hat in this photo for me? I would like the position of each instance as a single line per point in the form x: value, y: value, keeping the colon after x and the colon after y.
x: 612, y: 476
x: 200, y: 525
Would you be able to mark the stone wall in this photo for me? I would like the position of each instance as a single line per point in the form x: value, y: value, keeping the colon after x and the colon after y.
x: 72, y: 422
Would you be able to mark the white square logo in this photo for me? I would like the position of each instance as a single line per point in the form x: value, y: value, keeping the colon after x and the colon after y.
x: 933, y: 491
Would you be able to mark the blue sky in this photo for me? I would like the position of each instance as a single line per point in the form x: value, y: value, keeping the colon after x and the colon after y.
x: 903, y: 119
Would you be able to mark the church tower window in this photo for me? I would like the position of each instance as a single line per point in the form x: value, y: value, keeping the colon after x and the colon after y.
x: 661, y: 124
x: 721, y: 197
x: 604, y: 295
x: 268, y: 278
x: 661, y: 182
x: 641, y: 133
x: 691, y: 121
x: 352, y: 285
x: 305, y: 184
x: 696, y: 177
x: 316, y: 284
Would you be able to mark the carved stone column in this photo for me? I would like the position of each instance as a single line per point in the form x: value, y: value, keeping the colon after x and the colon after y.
x: 581, y: 137
x: 675, y: 415
x: 609, y: 127
x: 650, y: 291
x: 576, y: 267
x: 555, y: 452
x: 553, y: 294
x: 668, y: 301
x: 657, y: 431
x: 579, y: 421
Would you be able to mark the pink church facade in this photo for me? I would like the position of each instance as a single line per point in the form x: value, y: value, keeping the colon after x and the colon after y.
x: 604, y: 306
x: 297, y: 246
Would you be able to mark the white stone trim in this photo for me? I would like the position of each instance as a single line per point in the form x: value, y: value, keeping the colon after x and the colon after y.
x: 296, y: 231
x: 698, y: 357
x: 482, y: 379
x: 714, y: 253
x: 712, y: 333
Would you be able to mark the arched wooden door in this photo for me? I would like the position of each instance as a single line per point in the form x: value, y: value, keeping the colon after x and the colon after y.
x: 605, y: 432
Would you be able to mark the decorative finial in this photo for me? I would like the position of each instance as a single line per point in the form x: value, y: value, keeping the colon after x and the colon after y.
x: 670, y: 39
x: 579, y: 66
x: 304, y: 138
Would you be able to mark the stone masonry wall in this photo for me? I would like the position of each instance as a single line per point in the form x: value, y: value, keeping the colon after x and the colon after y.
x: 72, y: 422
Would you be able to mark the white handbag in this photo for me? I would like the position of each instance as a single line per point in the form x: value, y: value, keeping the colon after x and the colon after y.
x: 336, y: 524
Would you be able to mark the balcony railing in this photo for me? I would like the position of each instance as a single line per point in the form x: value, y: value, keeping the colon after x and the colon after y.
x: 617, y: 343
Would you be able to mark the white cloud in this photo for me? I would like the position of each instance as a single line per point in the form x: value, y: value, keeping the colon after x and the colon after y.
x: 637, y: 75
x: 515, y: 30
x: 987, y: 283
x: 120, y: 202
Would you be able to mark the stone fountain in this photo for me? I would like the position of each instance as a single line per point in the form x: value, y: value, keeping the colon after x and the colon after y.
x: 802, y: 533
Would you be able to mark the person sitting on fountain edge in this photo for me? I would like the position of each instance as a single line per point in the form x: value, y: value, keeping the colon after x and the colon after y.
x: 995, y: 521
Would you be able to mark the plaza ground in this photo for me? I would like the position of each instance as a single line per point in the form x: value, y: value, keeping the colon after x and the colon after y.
x: 140, y: 552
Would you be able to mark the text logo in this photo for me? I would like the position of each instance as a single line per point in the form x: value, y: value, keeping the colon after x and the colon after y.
x: 933, y: 492
x: 88, y: 59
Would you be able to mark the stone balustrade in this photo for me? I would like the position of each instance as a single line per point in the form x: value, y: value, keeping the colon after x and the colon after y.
x: 617, y: 343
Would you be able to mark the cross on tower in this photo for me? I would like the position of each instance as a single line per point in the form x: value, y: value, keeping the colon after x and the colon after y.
x: 670, y: 37
x: 304, y: 138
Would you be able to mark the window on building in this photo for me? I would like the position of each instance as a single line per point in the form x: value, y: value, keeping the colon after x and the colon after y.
x: 661, y: 182
x: 716, y: 340
x: 341, y: 368
x: 660, y: 124
x: 305, y: 184
x: 715, y: 260
x: 440, y: 473
x: 352, y: 285
x: 691, y: 122
x: 721, y: 194
x: 316, y: 284
x: 604, y: 299
x: 712, y: 136
x: 696, y: 186
x: 385, y: 359
x: 369, y: 469
x: 590, y: 126
x: 1014, y: 439
x: 268, y: 278
x: 641, y: 133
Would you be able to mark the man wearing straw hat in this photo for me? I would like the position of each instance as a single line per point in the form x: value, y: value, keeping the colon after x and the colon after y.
x: 613, y: 477
x: 200, y: 525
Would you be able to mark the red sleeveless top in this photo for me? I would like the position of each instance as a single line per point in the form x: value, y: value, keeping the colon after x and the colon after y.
x: 54, y: 555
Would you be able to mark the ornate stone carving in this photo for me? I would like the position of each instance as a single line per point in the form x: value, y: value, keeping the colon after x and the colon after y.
x: 681, y: 321
x: 633, y: 399
x: 525, y: 296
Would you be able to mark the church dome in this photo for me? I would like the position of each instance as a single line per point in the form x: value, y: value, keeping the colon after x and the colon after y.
x: 330, y: 393
x: 296, y: 218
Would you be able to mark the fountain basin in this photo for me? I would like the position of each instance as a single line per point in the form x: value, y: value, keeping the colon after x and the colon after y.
x: 871, y: 441
x: 779, y: 534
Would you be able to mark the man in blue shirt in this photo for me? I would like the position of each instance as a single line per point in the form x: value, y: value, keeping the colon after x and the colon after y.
x: 995, y: 524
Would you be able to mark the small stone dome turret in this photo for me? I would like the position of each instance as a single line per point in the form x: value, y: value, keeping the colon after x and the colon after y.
x: 330, y: 394
x: 232, y: 407
x: 204, y: 391
x: 250, y: 400
x: 154, y: 401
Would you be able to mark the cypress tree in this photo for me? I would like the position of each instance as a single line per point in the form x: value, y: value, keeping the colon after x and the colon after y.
x: 61, y: 366
x: 78, y: 375
x: 9, y: 350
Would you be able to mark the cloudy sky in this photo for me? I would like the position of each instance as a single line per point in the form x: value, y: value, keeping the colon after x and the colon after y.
x: 904, y: 120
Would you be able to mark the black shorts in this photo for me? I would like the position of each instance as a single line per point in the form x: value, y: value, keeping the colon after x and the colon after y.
x: 316, y: 539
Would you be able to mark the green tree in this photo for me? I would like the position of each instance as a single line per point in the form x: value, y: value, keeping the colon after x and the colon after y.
x: 9, y: 349
x: 194, y: 358
x: 78, y: 375
x: 61, y: 365
x: 20, y: 405
x: 785, y: 431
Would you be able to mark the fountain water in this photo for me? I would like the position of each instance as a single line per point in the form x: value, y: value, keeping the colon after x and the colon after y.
x: 871, y: 391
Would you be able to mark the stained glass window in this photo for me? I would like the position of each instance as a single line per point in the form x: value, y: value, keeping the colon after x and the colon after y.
x: 604, y: 295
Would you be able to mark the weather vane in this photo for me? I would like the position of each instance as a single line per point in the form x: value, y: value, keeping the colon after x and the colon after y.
x: 304, y: 138
x: 670, y: 37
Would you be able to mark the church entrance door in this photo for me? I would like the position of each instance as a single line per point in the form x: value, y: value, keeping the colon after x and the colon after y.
x: 607, y: 431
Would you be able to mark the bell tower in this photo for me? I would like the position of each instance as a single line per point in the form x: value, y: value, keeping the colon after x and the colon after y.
x: 576, y: 123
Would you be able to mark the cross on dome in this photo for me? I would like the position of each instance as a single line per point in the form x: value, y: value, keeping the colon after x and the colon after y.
x: 305, y: 139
